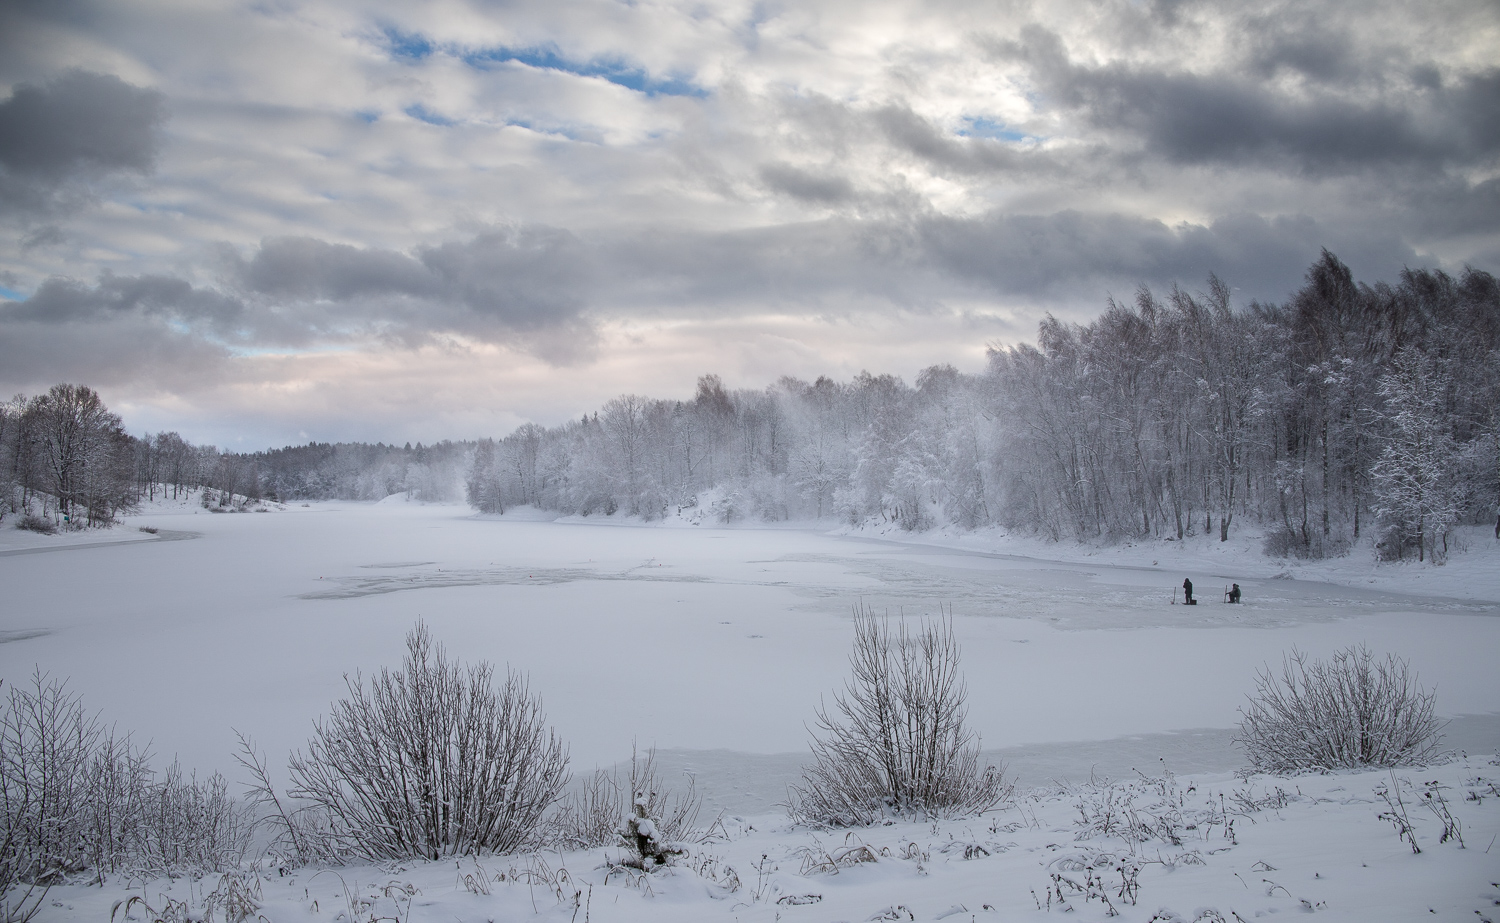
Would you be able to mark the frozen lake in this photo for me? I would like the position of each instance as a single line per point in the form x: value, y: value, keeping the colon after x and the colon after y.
x: 715, y: 645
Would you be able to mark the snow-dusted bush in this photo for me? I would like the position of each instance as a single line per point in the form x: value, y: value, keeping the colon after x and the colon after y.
x: 32, y: 522
x: 644, y: 838
x: 300, y: 834
x: 189, y: 825
x: 1348, y: 712
x: 47, y: 742
x: 432, y: 760
x: 896, y: 742
x: 599, y: 813
x: 76, y: 798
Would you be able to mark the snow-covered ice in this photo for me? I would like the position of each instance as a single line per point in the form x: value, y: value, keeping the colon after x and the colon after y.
x: 1072, y: 666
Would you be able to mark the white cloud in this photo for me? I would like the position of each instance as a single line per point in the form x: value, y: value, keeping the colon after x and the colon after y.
x: 732, y: 174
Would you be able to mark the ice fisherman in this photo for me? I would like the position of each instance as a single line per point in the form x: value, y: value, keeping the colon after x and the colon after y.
x: 1187, y: 591
x: 1234, y: 593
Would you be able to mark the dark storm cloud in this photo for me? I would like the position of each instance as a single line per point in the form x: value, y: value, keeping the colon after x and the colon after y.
x: 922, y: 261
x: 1072, y: 253
x: 515, y: 279
x: 153, y: 330
x: 544, y: 291
x: 795, y: 265
x: 306, y: 268
x: 1308, y: 51
x: 76, y: 128
x: 821, y: 187
x: 1339, y: 117
x: 45, y: 236
x: 839, y: 128
x: 63, y: 301
x: 527, y: 279
x: 1456, y: 207
x: 110, y: 351
x: 908, y: 131
x: 525, y: 287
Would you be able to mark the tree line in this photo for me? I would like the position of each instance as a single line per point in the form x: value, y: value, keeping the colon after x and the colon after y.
x: 1349, y: 407
x: 66, y: 459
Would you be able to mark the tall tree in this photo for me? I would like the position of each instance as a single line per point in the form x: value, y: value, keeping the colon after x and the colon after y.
x: 84, y: 453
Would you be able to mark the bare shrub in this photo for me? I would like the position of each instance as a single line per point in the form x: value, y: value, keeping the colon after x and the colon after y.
x: 600, y: 813
x: 32, y: 522
x: 591, y: 816
x: 47, y: 744
x: 301, y: 833
x: 433, y: 760
x: 896, y: 742
x: 76, y: 797
x: 192, y: 826
x: 1348, y: 712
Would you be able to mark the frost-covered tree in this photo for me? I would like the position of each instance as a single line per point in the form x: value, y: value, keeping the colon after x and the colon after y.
x: 1417, y: 498
x: 83, y: 455
x: 12, y: 454
x: 483, y: 489
x: 1164, y: 418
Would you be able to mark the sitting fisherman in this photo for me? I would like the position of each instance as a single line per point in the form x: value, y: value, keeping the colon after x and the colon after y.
x: 1234, y: 593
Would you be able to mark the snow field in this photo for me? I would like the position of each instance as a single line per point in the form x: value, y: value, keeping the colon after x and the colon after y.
x: 1164, y: 848
x: 252, y: 625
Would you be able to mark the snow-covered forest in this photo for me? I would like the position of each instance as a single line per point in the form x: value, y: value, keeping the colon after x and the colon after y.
x: 66, y: 456
x: 1347, y: 408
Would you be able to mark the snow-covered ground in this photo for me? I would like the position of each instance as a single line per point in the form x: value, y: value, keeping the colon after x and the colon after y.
x: 1164, y: 849
x: 1472, y: 570
x: 1076, y: 660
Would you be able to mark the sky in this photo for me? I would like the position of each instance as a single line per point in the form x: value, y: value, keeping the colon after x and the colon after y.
x: 263, y: 223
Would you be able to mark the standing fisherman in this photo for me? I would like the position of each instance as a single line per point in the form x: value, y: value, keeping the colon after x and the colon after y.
x: 1187, y: 592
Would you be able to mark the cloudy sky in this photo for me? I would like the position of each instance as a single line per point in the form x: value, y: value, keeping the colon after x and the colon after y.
x: 270, y: 221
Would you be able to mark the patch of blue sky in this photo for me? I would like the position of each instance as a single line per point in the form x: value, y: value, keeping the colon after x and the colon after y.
x: 408, y: 46
x: 618, y: 71
x: 367, y: 115
x: 983, y: 127
x: 423, y: 114
x: 11, y: 294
